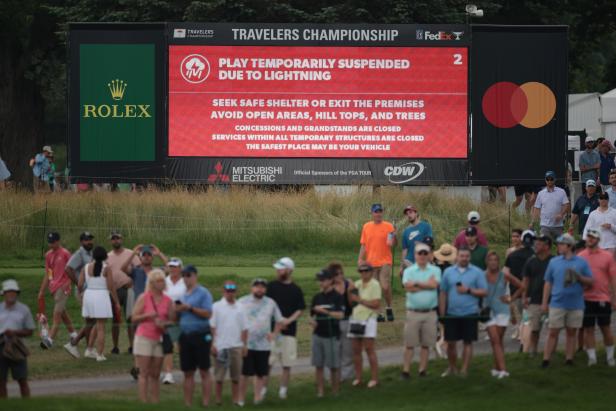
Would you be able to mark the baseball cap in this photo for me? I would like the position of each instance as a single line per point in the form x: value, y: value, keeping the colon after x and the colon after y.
x: 190, y: 269
x: 259, y: 281
x: 53, y: 237
x: 284, y: 263
x: 175, y: 262
x: 470, y: 231
x: 86, y: 235
x: 550, y: 173
x: 594, y: 233
x: 422, y: 247
x: 604, y: 196
x: 48, y: 149
x: 565, y: 239
x: 145, y: 250
x: 364, y: 267
x: 528, y: 233
x: 376, y: 207
x: 591, y: 183
x: 409, y: 207
x: 115, y: 234
x: 589, y: 139
x: 9, y: 285
x: 429, y: 241
x: 324, y: 274
x: 473, y: 217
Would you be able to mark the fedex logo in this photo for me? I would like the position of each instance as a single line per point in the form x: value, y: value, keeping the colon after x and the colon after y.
x: 443, y: 35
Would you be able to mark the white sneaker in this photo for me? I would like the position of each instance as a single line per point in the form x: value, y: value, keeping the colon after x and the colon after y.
x: 168, y: 378
x: 592, y: 361
x: 90, y: 353
x: 611, y: 362
x: 494, y: 373
x: 100, y: 358
x: 516, y: 333
x: 502, y: 374
x: 449, y: 372
x: 72, y: 350
x: 282, y: 393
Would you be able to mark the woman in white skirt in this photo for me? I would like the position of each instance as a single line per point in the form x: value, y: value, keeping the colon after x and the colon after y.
x: 96, y: 303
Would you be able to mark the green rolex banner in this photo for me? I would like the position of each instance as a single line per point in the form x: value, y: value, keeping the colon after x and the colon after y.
x: 117, y: 102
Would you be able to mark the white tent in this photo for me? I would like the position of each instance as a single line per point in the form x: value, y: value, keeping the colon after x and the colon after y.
x: 608, y: 115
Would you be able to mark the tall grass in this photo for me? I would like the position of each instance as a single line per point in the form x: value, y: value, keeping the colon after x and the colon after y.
x: 233, y: 222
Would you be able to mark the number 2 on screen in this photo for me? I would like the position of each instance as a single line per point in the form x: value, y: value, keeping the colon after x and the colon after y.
x: 457, y: 59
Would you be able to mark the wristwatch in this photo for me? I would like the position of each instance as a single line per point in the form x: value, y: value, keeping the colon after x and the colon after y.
x: 468, y: 291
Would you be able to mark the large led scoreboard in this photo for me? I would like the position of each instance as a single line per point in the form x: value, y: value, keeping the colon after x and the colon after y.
x: 306, y: 104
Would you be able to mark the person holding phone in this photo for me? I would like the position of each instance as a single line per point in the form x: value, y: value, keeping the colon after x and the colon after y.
x: 462, y: 286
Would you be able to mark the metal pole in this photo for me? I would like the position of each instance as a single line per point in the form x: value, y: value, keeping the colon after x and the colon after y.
x: 44, y: 230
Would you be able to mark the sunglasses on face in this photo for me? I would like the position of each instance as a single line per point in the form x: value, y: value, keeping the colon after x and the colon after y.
x: 422, y: 252
x: 364, y: 271
x: 230, y: 290
x: 187, y: 274
x: 549, y: 179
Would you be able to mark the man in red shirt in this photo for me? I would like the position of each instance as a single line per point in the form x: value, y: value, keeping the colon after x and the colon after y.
x: 473, y: 219
x: 600, y: 298
x: 59, y: 285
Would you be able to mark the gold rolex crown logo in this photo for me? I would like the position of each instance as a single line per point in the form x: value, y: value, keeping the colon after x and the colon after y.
x: 117, y: 88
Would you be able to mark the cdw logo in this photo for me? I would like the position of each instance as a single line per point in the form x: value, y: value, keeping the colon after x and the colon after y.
x: 404, y: 173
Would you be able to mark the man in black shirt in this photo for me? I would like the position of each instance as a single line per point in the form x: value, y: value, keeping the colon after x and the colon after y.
x: 534, y: 272
x: 514, y: 265
x: 326, y: 312
x: 290, y: 300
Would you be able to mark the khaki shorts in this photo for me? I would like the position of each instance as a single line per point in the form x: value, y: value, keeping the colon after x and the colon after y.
x: 284, y: 351
x: 147, y: 348
x: 560, y: 318
x: 420, y: 329
x: 534, y: 317
x: 60, y: 297
x: 383, y: 275
x: 233, y: 363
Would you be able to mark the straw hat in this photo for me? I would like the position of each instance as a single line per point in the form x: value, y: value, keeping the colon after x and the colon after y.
x: 446, y: 253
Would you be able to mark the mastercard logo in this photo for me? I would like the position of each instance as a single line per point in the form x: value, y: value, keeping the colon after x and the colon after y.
x: 506, y: 104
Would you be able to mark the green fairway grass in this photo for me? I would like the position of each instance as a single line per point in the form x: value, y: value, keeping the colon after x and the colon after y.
x: 529, y: 388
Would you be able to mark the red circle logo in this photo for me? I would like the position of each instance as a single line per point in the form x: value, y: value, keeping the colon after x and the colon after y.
x: 531, y: 105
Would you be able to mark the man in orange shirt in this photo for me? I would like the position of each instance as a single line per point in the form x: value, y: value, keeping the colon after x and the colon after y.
x: 377, y: 239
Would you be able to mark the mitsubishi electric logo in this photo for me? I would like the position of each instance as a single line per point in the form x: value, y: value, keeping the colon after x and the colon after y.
x: 404, y: 173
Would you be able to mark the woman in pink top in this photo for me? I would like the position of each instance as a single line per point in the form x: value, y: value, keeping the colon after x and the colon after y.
x: 153, y: 311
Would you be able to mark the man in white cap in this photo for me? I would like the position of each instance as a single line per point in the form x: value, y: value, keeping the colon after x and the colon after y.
x: 590, y: 162
x: 290, y: 300
x: 603, y: 219
x: 584, y: 205
x: 565, y: 280
x: 15, y: 322
x: 40, y: 168
x: 473, y: 219
x: 551, y: 207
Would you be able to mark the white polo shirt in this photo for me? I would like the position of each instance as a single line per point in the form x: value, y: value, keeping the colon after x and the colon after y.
x: 550, y: 203
x: 229, y: 322
x: 175, y: 291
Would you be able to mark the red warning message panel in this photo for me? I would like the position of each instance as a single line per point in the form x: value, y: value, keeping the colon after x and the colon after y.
x: 335, y: 102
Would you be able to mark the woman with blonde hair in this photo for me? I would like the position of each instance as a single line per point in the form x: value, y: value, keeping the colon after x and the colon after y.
x: 154, y: 312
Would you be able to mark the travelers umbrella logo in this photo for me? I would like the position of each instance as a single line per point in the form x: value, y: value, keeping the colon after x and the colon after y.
x: 531, y: 105
x: 195, y: 68
x: 218, y: 176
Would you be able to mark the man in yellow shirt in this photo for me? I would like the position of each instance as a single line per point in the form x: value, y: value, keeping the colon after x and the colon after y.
x: 377, y: 239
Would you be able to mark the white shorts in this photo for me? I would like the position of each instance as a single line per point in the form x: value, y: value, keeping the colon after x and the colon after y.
x: 499, y: 320
x: 370, y: 328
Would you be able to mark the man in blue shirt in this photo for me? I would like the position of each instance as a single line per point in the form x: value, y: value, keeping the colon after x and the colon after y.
x: 195, y: 309
x: 584, y: 205
x: 607, y: 164
x: 416, y: 232
x: 590, y: 162
x: 420, y: 281
x: 462, y: 287
x: 40, y: 169
x: 565, y: 279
